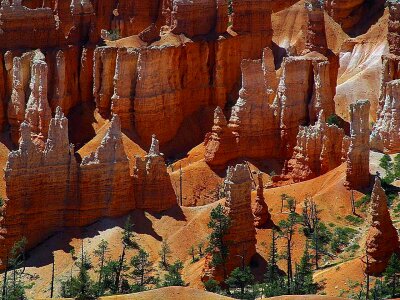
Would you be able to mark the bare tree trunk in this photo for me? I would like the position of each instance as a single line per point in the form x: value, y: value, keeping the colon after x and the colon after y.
x: 52, y: 279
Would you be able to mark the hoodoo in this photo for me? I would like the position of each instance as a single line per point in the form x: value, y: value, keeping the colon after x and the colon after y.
x: 382, y: 238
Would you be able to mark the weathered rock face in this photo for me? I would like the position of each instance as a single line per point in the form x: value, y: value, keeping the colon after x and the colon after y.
x: 64, y: 78
x: 241, y: 234
x: 318, y: 150
x: 268, y: 117
x: 252, y: 16
x: 16, y: 107
x: 105, y: 186
x: 260, y: 207
x: 382, y: 238
x: 59, y: 80
x: 153, y: 185
x: 134, y: 16
x: 124, y: 86
x: 386, y: 131
x: 316, y: 34
x: 394, y: 27
x: 220, y: 144
x: 34, y: 180
x: 192, y: 18
x: 38, y: 111
x: 27, y: 28
x: 357, y: 173
x: 345, y: 12
x: 104, y: 70
x: 172, y: 83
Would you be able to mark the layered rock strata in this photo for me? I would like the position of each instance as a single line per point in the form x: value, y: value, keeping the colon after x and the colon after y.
x: 382, y: 238
x: 105, y: 185
x: 153, y: 185
x: 386, y: 131
x: 37, y: 185
x: 251, y: 16
x: 269, y: 119
x: 357, y: 172
x: 260, y: 207
x: 170, y: 93
x: 319, y: 149
x: 192, y: 18
x: 103, y: 85
x: 38, y: 111
x: 125, y: 86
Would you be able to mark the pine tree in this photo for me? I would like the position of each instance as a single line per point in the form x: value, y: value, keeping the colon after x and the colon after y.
x: 142, y: 270
x: 272, y: 273
x: 303, y: 282
x: 80, y: 287
x: 287, y: 232
x: 101, y: 253
x: 165, y: 253
x: 128, y: 242
x: 390, y: 275
x: 219, y: 224
x: 240, y: 278
x: 192, y: 253
x: 14, y: 288
x: 174, y: 275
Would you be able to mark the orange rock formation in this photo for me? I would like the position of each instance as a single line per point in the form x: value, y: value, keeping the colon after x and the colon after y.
x: 319, y: 149
x: 241, y: 236
x: 357, y: 174
x: 382, y: 238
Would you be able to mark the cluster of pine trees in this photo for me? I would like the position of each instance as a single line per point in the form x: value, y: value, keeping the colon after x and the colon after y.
x: 120, y: 276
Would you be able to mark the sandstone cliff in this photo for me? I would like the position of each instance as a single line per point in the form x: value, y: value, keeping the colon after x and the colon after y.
x: 38, y: 111
x: 382, y: 238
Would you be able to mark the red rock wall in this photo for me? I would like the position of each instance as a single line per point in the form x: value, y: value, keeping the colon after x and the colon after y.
x: 172, y: 83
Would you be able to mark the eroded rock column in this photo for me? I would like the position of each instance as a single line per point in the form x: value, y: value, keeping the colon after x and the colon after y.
x: 357, y: 173
x: 382, y: 238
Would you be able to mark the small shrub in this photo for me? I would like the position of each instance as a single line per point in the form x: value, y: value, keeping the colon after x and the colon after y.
x: 341, y: 238
x: 354, y: 220
x: 211, y: 285
x: 363, y: 201
x: 334, y: 120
